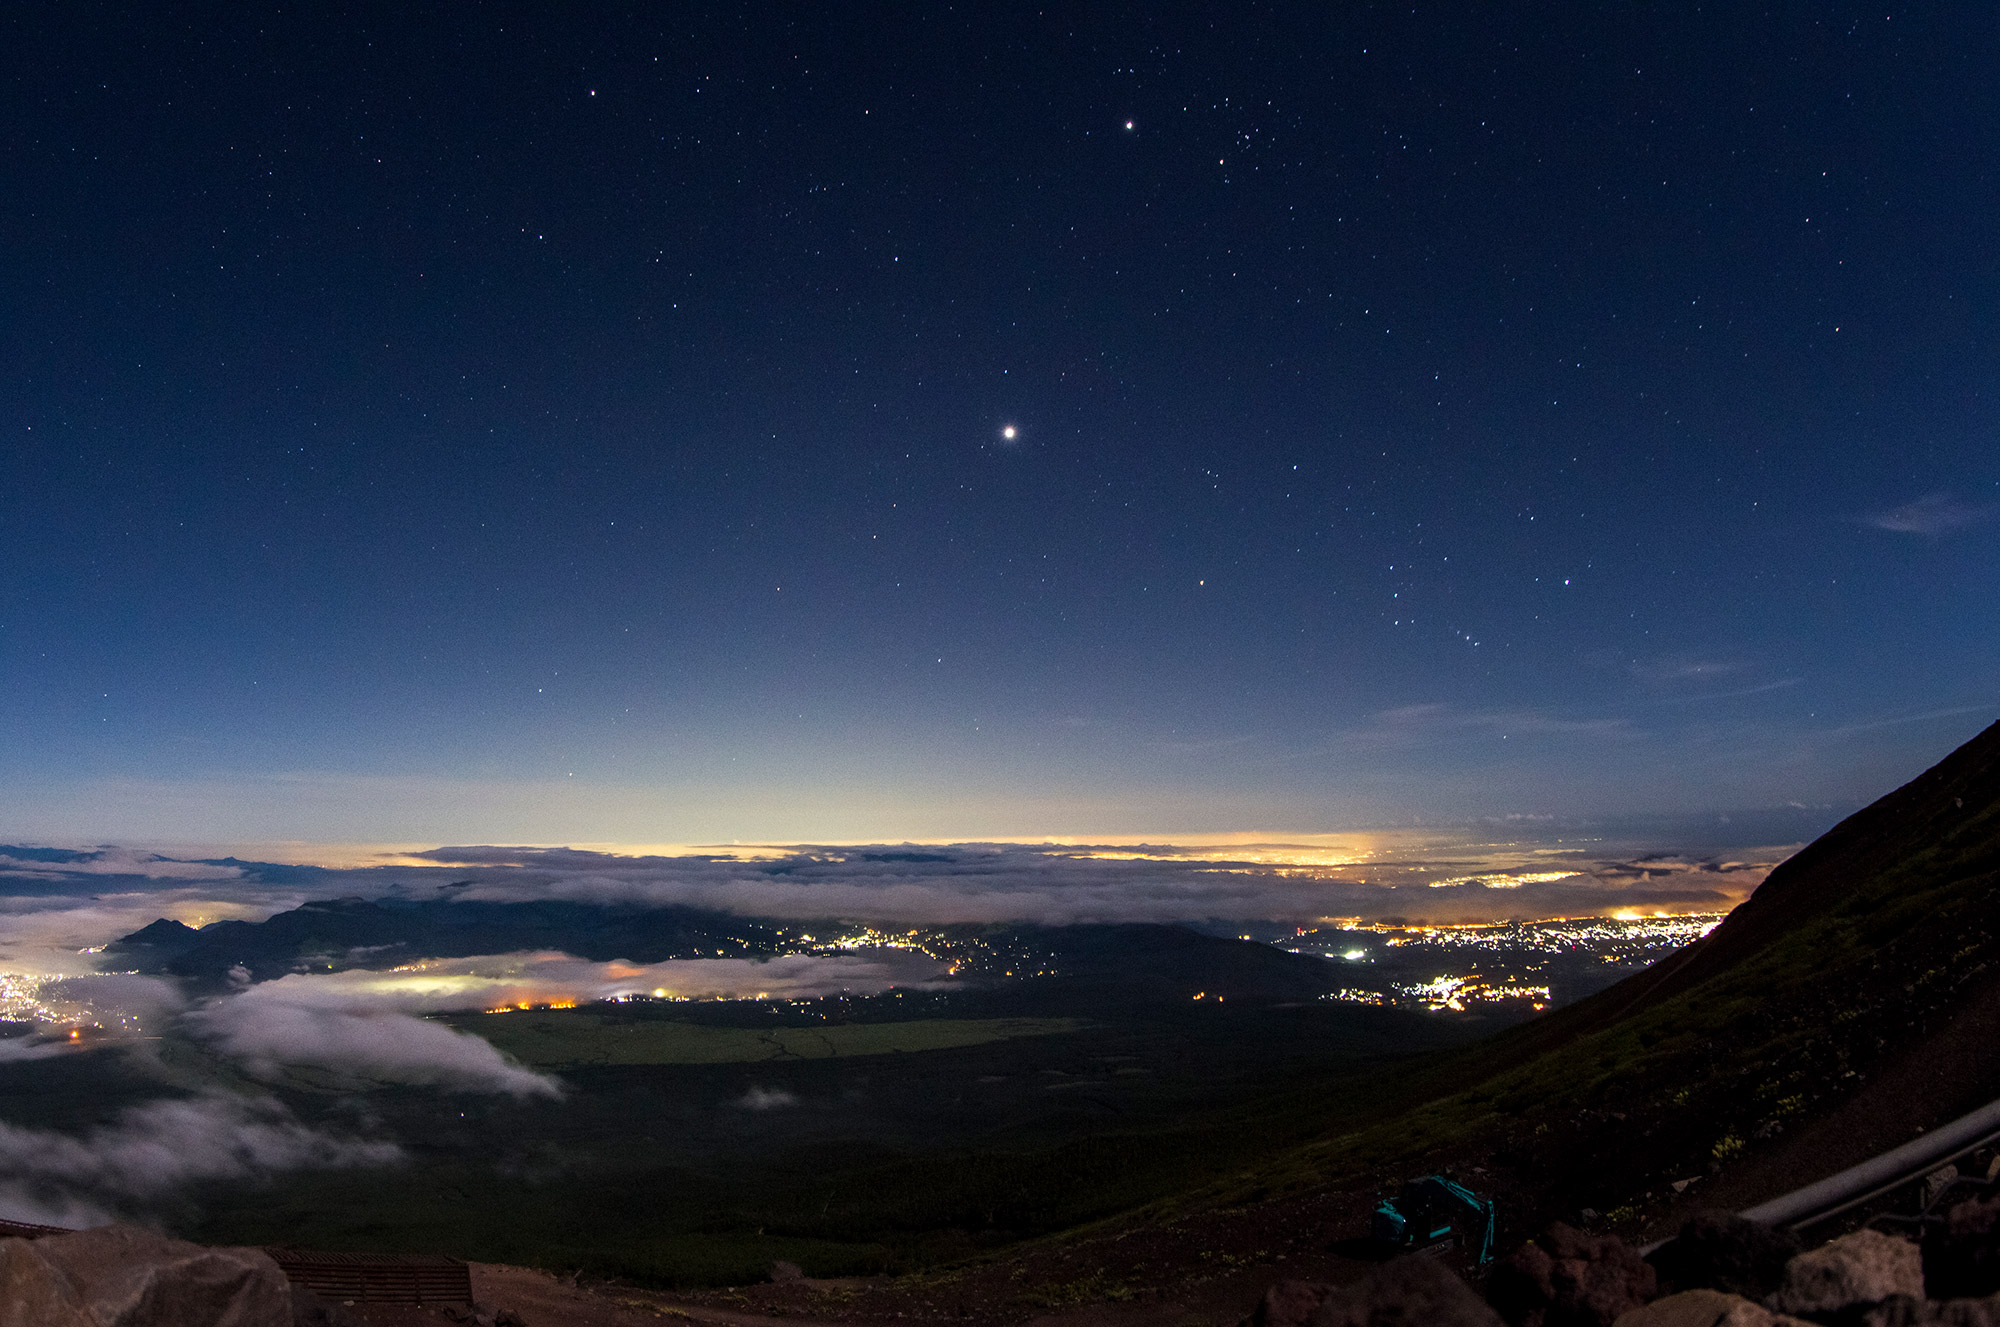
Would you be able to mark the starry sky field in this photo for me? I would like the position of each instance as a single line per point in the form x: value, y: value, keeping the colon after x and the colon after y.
x: 494, y: 423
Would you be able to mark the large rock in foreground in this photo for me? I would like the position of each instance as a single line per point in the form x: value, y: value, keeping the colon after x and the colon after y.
x: 1865, y: 1267
x: 121, y: 1276
x: 1705, y: 1308
x: 1569, y: 1278
x: 1412, y: 1291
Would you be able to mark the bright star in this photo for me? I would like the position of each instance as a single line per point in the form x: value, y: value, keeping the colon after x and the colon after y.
x: 1008, y: 433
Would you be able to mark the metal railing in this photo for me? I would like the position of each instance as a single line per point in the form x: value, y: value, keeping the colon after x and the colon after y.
x: 1850, y: 1188
x: 1878, y: 1175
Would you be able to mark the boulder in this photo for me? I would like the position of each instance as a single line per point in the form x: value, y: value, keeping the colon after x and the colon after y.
x: 1962, y: 1258
x: 1865, y: 1267
x: 1571, y: 1279
x: 1412, y: 1291
x: 309, y: 1310
x: 1904, y: 1311
x: 1705, y: 1308
x: 1723, y: 1251
x: 122, y: 1276
x: 1289, y: 1304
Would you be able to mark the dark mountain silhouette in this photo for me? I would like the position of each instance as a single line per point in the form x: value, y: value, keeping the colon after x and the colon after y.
x: 156, y: 943
x: 1079, y: 964
x: 353, y: 932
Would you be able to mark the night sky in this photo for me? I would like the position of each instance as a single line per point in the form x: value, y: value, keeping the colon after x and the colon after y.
x: 496, y: 423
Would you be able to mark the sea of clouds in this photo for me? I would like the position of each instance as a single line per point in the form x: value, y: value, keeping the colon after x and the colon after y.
x: 55, y: 903
x: 59, y: 907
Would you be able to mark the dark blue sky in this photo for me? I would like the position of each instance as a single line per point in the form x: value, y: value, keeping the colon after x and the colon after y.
x: 528, y: 423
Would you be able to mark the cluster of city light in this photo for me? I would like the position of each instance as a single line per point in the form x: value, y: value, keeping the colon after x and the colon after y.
x: 1459, y: 967
x: 1504, y: 879
x: 963, y: 955
x: 21, y: 998
x: 1238, y: 852
x: 1354, y: 995
x: 1626, y: 932
x: 865, y: 937
x: 1455, y: 993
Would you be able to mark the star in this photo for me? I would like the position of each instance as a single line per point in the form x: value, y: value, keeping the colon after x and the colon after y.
x: 1008, y: 432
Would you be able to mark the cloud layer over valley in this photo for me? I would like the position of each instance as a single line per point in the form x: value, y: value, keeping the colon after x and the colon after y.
x: 362, y: 1014
x: 81, y: 899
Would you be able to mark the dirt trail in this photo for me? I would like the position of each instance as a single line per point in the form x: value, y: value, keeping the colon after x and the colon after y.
x: 542, y: 1300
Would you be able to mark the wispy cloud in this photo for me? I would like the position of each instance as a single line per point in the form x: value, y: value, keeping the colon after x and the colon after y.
x: 1436, y: 719
x: 115, y: 861
x: 270, y: 1032
x: 1733, y: 694
x: 363, y: 1025
x: 505, y: 980
x: 1868, y: 725
x: 159, y: 1148
x: 767, y: 1098
x: 1933, y: 515
x: 1683, y: 669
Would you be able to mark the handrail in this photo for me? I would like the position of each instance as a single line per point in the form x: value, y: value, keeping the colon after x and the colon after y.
x: 1899, y: 1165
x: 1874, y: 1177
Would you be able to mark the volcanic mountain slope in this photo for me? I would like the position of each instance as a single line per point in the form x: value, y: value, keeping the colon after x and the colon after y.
x: 1855, y: 952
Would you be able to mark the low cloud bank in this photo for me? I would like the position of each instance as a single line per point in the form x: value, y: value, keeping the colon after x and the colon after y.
x: 1434, y: 875
x: 1057, y: 885
x: 157, y: 1149
x: 507, y: 980
x: 52, y: 932
x: 364, y: 1025
x: 268, y: 1032
x: 59, y: 864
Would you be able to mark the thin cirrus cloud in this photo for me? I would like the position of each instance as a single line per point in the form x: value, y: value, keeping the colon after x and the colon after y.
x: 1933, y: 515
x: 1683, y: 669
x: 1434, y: 721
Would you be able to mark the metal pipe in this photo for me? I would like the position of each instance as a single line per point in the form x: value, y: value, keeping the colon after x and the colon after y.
x: 1874, y: 1177
x: 1857, y: 1184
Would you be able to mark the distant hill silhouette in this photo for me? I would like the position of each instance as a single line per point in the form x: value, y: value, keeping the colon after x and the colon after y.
x: 1106, y: 963
x: 354, y: 932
